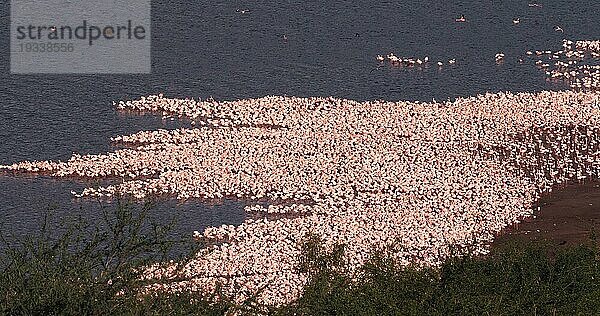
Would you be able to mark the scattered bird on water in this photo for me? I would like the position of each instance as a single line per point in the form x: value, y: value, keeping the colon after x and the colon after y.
x: 499, y: 57
x: 558, y: 29
x: 380, y: 58
x: 461, y: 18
x: 452, y: 61
x: 535, y: 5
x: 516, y: 21
x: 242, y: 11
x: 570, y: 65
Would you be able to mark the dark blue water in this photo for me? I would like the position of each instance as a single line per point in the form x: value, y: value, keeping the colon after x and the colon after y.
x: 204, y: 49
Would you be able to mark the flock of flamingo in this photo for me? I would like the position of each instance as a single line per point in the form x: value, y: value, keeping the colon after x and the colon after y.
x: 576, y: 64
x: 410, y: 61
x: 422, y: 177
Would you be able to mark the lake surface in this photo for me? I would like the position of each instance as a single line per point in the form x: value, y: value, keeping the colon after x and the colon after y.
x: 212, y: 50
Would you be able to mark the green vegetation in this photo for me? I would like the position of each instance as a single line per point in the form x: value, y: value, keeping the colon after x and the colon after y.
x: 95, y: 271
x: 518, y: 279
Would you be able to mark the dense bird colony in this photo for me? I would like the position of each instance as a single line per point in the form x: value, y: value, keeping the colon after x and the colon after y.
x: 427, y: 177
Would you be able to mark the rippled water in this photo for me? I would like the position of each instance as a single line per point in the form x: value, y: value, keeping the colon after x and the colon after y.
x: 210, y: 49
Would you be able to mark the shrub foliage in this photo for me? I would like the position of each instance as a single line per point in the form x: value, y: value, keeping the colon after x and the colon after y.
x: 96, y: 270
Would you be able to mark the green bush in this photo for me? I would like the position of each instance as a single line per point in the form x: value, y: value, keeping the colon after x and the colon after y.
x: 96, y: 270
x: 520, y: 279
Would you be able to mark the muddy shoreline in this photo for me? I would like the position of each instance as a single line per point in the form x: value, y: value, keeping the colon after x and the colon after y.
x: 566, y: 217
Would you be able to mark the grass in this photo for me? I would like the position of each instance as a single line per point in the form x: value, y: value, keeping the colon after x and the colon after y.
x: 95, y: 270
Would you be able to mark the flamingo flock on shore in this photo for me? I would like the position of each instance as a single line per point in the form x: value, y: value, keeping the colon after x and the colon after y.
x: 422, y: 177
